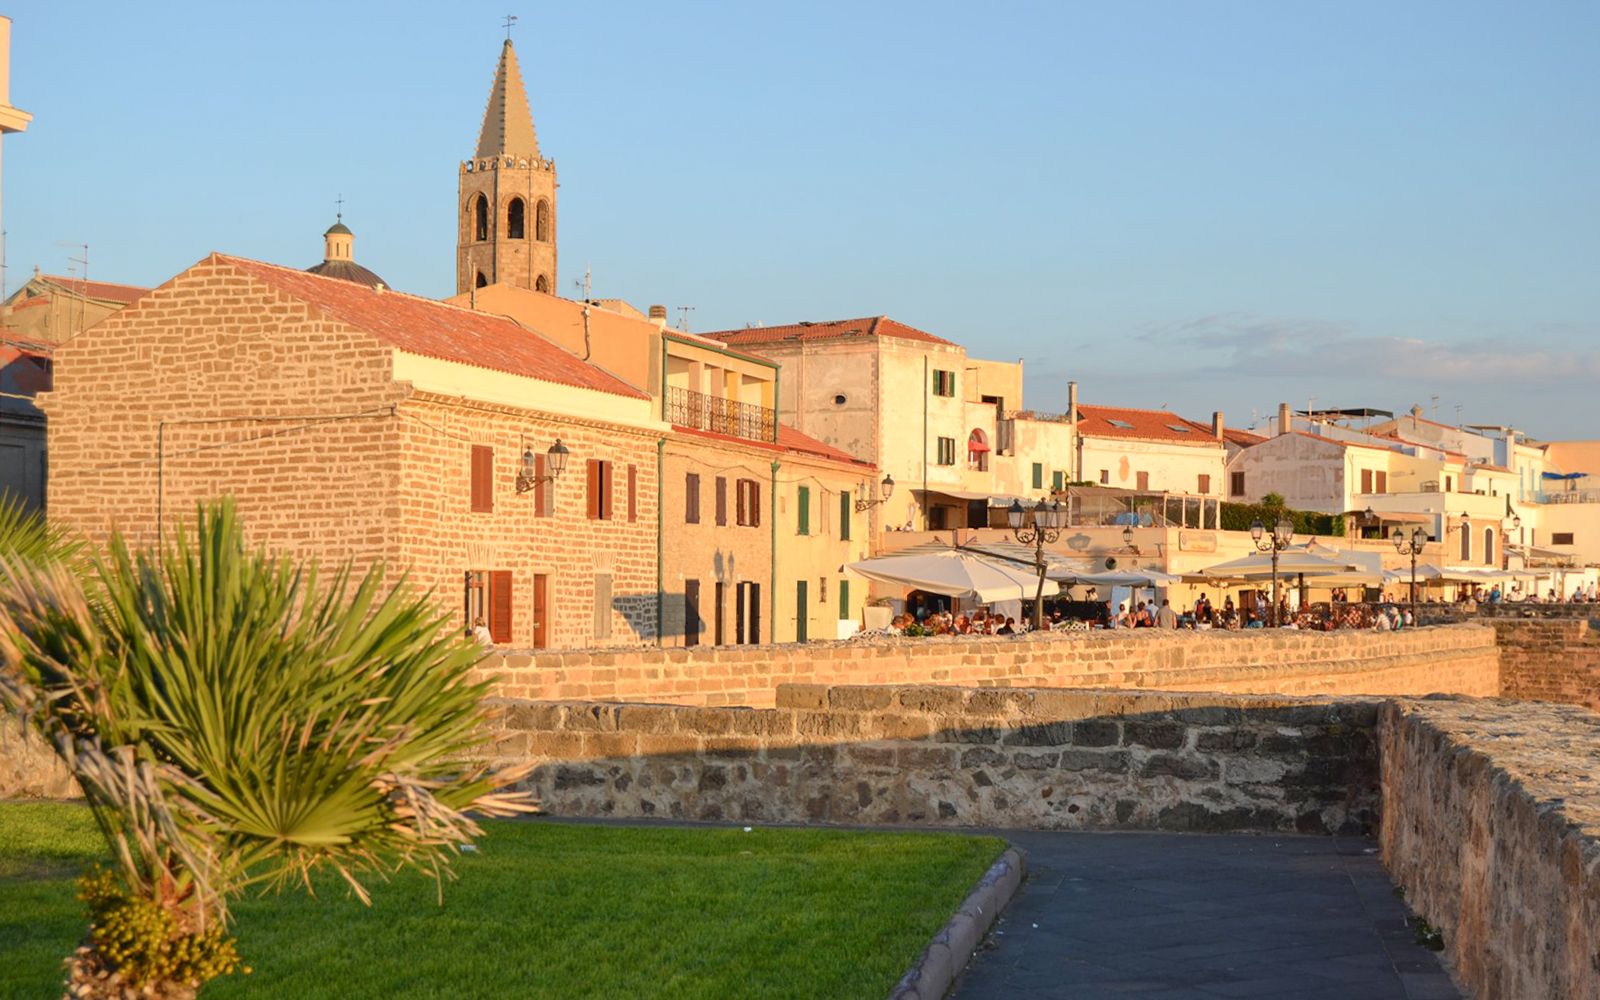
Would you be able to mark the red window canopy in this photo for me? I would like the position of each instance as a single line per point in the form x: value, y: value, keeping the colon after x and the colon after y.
x: 975, y: 445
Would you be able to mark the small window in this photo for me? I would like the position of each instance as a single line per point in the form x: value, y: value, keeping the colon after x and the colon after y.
x: 1120, y: 423
x: 1204, y: 484
x: 1105, y: 477
x: 599, y: 490
x: 482, y: 281
x: 541, y: 284
x: 1366, y: 480
x: 1236, y: 484
x: 480, y: 213
x: 839, y: 400
x: 748, y: 503
x: 1179, y: 428
x: 1058, y: 481
x: 722, y: 500
x: 1143, y: 480
x: 515, y: 213
x: 1561, y: 538
x: 482, y: 479
x: 944, y: 383
x: 802, y: 503
x: 541, y: 221
x: 691, y: 498
x: 1038, y: 476
x: 1382, y: 482
x: 947, y: 451
x: 844, y: 600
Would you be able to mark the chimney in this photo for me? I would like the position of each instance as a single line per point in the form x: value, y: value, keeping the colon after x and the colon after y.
x: 1416, y: 410
x: 1216, y: 424
x: 1072, y: 405
x: 1285, y: 423
x: 658, y: 313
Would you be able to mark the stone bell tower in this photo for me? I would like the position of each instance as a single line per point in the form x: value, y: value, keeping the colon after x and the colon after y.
x: 506, y: 228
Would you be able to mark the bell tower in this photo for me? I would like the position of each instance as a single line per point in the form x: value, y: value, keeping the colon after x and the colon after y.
x: 506, y: 207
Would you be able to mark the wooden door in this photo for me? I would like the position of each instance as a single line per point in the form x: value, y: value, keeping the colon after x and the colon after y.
x: 541, y: 611
x: 500, y: 606
x: 802, y: 614
x: 691, y: 612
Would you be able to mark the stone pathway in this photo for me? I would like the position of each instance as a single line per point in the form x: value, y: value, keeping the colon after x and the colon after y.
x: 1182, y: 917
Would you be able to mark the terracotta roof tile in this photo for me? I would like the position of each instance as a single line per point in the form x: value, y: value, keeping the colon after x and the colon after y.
x: 789, y: 440
x: 1143, y: 425
x: 22, y: 371
x: 110, y: 291
x: 1240, y: 437
x: 838, y: 329
x: 436, y: 330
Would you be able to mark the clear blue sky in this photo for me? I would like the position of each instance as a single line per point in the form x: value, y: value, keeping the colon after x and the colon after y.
x: 1202, y: 205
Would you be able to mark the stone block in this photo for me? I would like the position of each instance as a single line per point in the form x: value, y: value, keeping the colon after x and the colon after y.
x: 860, y: 699
x: 1158, y: 735
x: 1107, y: 761
x: 802, y: 696
x: 1044, y: 734
x: 1096, y: 733
x: 1178, y: 766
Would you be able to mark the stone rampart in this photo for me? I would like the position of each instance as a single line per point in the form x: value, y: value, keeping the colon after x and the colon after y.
x: 962, y: 757
x: 1491, y: 818
x: 1550, y: 659
x: 1458, y: 659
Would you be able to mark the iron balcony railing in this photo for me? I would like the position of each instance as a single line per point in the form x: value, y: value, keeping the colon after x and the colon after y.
x: 1567, y: 496
x: 687, y: 408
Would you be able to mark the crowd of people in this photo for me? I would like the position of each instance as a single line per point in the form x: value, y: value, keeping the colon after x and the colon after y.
x: 979, y: 622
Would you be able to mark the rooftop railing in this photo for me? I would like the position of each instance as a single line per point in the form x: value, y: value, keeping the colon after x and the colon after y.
x: 687, y: 408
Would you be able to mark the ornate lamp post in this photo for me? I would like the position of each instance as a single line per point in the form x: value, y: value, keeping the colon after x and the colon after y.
x: 885, y: 491
x: 1410, y: 547
x: 1038, y: 527
x: 1282, y: 535
x: 555, y: 462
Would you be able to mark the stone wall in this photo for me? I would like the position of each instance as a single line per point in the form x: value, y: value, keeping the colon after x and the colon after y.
x: 1550, y: 659
x: 962, y: 757
x: 1491, y: 813
x: 29, y: 769
x: 1460, y: 659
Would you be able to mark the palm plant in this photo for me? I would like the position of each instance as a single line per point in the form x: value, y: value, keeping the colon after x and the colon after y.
x: 234, y: 721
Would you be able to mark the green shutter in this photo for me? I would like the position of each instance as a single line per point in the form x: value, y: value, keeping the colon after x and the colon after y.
x: 1038, y: 476
x: 803, y: 501
x: 844, y: 516
x: 1055, y: 480
x: 844, y: 600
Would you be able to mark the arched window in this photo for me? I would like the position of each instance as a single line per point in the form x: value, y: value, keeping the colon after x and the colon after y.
x: 1466, y: 544
x: 1488, y: 546
x: 541, y: 284
x: 541, y: 221
x: 482, y: 281
x: 978, y: 451
x: 514, y: 213
x: 480, y: 211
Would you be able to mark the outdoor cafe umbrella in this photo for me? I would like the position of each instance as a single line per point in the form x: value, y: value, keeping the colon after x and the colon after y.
x: 1291, y: 562
x: 955, y: 573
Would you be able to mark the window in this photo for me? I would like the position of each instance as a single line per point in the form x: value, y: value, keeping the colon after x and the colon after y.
x: 747, y: 611
x: 1236, y: 484
x: 1561, y: 538
x: 541, y: 221
x: 717, y: 614
x: 602, y: 605
x: 691, y: 498
x: 1449, y: 484
x: 1488, y: 546
x: 844, y: 600
x: 633, y: 493
x: 482, y: 479
x: 1105, y: 477
x: 1038, y: 476
x: 1120, y: 423
x: 514, y: 218
x: 482, y: 281
x: 944, y: 383
x: 845, y: 510
x: 722, y: 500
x: 480, y: 213
x: 947, y: 451
x: 600, y: 488
x: 489, y: 598
x: 1466, y: 544
x: 977, y: 451
x: 1143, y: 480
x: 1204, y: 484
x: 541, y: 284
x: 1366, y: 480
x: 802, y: 613
x: 691, y: 612
x: 802, y: 503
x: 1179, y: 428
x: 1382, y: 483
x: 1058, y: 481
x: 748, y: 501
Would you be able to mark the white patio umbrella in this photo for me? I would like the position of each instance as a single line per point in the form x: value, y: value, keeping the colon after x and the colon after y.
x: 1291, y: 562
x: 1118, y: 578
x: 955, y: 573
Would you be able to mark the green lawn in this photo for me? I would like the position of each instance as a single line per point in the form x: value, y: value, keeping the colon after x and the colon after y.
x: 549, y: 910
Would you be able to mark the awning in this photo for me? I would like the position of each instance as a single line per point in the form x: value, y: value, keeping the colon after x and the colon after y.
x: 1561, y: 475
x: 1291, y: 563
x: 975, y: 446
x: 1402, y: 517
x: 955, y: 573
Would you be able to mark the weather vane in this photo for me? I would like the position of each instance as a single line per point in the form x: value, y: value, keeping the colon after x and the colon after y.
x: 510, y: 20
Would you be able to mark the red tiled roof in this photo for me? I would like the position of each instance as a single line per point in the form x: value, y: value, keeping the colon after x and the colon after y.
x: 110, y: 291
x: 436, y: 330
x: 838, y: 329
x: 1237, y: 436
x: 1143, y: 425
x: 789, y: 440
x: 23, y: 372
x: 32, y: 303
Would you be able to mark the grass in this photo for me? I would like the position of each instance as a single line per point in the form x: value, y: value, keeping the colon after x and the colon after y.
x: 548, y: 910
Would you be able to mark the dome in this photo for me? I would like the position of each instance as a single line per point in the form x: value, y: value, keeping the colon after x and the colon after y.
x: 347, y: 270
x: 340, y: 229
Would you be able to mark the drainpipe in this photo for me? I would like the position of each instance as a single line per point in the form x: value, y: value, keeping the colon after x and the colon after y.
x: 661, y: 597
x: 772, y: 598
x: 926, y: 392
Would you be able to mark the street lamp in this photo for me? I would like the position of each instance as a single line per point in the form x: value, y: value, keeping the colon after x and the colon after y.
x: 1410, y: 547
x: 1037, y: 527
x: 1282, y: 535
x: 555, y: 462
x: 885, y: 488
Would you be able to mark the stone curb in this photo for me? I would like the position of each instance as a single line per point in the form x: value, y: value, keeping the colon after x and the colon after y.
x: 932, y: 974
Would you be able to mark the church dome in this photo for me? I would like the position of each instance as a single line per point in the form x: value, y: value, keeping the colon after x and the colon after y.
x: 338, y: 259
x: 338, y: 229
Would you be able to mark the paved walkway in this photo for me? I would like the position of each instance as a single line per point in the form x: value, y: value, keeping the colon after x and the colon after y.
x: 1180, y: 917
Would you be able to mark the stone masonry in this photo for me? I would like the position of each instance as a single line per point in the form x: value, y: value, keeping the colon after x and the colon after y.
x: 1550, y: 660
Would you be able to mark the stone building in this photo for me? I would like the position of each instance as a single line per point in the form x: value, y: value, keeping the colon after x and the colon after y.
x: 506, y: 228
x: 948, y: 428
x: 24, y: 373
x: 51, y: 308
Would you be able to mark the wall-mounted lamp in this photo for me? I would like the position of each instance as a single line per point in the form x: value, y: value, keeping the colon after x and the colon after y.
x: 885, y: 490
x: 555, y: 462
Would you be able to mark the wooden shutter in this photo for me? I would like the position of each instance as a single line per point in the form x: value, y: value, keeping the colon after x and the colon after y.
x: 844, y: 600
x: 500, y: 605
x: 802, y: 498
x: 691, y: 498
x: 717, y: 612
x: 541, y: 489
x: 755, y: 503
x: 593, y: 488
x: 633, y: 493
x: 1205, y: 484
x: 1383, y: 482
x: 482, y: 478
x: 1366, y: 480
x: 739, y: 497
x: 755, y: 612
x: 1237, y: 484
x: 722, y: 500
x: 845, y: 510
x: 606, y: 476
x: 691, y: 612
x: 1144, y: 480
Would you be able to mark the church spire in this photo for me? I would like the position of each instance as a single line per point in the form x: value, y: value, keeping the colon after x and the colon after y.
x: 507, y: 122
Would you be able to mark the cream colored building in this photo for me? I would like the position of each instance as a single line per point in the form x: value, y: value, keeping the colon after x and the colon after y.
x: 951, y: 430
x: 1150, y: 451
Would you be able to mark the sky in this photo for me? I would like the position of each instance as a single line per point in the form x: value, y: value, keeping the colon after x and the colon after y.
x: 1196, y: 206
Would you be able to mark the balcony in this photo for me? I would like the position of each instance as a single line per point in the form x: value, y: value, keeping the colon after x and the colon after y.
x: 1568, y: 496
x: 687, y: 408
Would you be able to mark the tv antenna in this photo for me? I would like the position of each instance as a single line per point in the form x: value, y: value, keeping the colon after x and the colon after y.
x: 583, y: 282
x: 83, y: 291
x: 683, y: 317
x: 1435, y: 412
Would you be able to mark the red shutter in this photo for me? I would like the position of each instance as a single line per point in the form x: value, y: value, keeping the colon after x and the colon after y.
x: 633, y: 493
x: 1366, y: 480
x: 594, y: 488
x: 722, y: 500
x: 482, y: 478
x: 541, y: 492
x: 741, y: 517
x: 500, y: 605
x: 755, y: 504
x: 691, y: 498
x: 608, y: 488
